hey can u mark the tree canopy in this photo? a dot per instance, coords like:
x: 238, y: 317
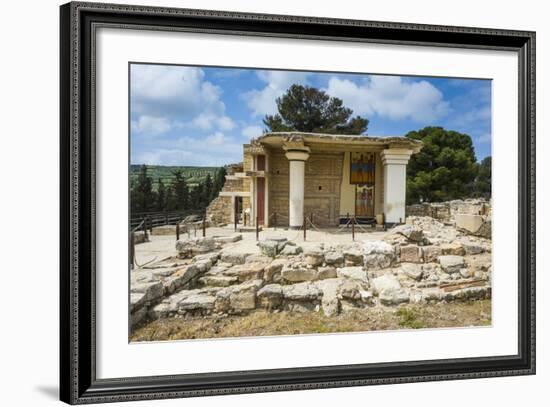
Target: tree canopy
x: 303, y: 108
x: 444, y: 169
x: 482, y: 183
x: 178, y: 195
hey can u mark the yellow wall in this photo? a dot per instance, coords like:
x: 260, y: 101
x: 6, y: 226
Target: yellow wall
x: 347, y: 190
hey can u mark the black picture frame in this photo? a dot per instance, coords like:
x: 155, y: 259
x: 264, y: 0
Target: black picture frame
x: 78, y: 382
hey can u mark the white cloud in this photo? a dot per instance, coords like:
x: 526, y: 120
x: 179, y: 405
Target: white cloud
x: 475, y: 115
x: 162, y: 156
x: 207, y: 121
x: 215, y: 149
x: 151, y: 126
x: 252, y: 131
x: 392, y: 97
x: 216, y: 139
x: 484, y: 138
x: 225, y: 123
x: 179, y: 94
x: 262, y: 102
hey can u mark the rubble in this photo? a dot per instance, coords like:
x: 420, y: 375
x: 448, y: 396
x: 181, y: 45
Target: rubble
x: 423, y: 261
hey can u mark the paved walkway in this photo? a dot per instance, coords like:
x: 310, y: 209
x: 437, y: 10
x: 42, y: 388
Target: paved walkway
x: 161, y: 247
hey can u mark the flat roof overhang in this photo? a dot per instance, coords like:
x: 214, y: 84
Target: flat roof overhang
x: 337, y: 142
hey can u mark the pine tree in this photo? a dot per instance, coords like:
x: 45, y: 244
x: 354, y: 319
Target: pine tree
x: 208, y: 190
x: 197, y: 197
x: 181, y: 190
x: 171, y: 202
x: 444, y: 169
x: 161, y: 196
x: 303, y: 108
x: 482, y: 183
x: 142, y: 195
x: 219, y: 181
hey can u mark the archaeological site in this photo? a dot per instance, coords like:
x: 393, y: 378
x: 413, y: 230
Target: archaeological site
x: 315, y: 225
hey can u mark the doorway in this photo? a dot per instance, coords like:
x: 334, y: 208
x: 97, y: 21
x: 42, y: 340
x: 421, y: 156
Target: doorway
x: 238, y: 213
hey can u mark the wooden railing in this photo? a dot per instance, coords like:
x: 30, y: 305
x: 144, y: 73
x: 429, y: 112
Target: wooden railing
x: 153, y: 219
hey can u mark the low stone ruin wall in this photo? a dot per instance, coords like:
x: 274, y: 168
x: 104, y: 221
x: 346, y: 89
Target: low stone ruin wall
x: 472, y: 215
x: 423, y: 261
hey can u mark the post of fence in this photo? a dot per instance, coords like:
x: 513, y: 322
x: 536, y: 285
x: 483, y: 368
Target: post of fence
x: 311, y: 218
x: 178, y: 231
x: 347, y: 220
x: 204, y: 225
x: 166, y: 219
x: 144, y: 228
x: 353, y: 229
x: 236, y: 220
x: 257, y: 229
x: 305, y: 227
x: 132, y: 249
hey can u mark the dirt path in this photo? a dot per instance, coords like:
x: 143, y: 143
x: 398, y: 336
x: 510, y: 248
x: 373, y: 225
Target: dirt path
x: 261, y: 323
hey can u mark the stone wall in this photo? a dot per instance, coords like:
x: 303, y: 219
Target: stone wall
x: 278, y: 188
x: 323, y: 176
x: 439, y: 211
x: 219, y: 210
x: 446, y: 211
x: 322, y: 183
x: 470, y: 215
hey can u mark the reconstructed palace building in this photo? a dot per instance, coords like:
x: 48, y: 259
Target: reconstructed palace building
x: 286, y: 176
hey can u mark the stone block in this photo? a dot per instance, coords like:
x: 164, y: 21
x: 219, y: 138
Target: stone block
x: 326, y: 272
x: 353, y: 257
x: 411, y: 232
x: 385, y: 282
x: 270, y: 296
x: 411, y: 254
x: 451, y: 264
x: 197, y: 302
x: 247, y: 271
x: 234, y: 257
x: 394, y: 297
x: 299, y: 274
x: 452, y: 249
x: 291, y: 250
x: 272, y: 271
x: 377, y: 254
x: 412, y: 270
x: 334, y: 258
x: 431, y: 253
x: 301, y: 292
x: 468, y: 222
x: 354, y: 273
x: 314, y: 258
x: 153, y: 291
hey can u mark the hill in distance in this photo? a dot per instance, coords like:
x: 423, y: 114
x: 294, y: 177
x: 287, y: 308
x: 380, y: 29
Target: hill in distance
x: 193, y: 175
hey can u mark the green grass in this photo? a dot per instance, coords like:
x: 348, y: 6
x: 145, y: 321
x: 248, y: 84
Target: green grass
x: 410, y: 318
x: 259, y: 323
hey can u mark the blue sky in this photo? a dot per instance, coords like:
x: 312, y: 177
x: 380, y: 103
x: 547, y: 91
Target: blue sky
x: 201, y: 116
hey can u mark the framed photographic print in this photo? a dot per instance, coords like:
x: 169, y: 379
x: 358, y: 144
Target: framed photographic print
x: 255, y: 203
